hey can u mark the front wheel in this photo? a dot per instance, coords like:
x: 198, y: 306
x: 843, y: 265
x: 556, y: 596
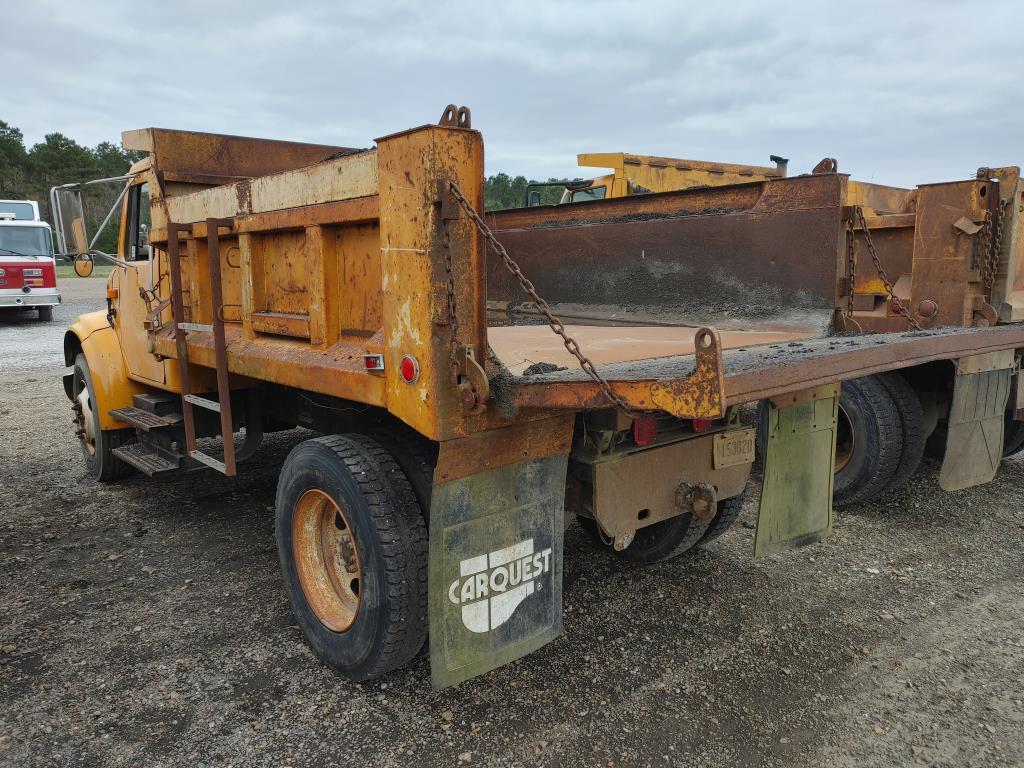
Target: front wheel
x: 45, y: 313
x: 97, y: 444
x: 353, y: 550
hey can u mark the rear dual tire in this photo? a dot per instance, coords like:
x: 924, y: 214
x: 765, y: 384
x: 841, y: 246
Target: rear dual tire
x: 880, y: 437
x: 669, y: 538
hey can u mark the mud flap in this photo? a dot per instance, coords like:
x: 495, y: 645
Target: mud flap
x: 974, y: 440
x: 495, y: 572
x: 799, y: 466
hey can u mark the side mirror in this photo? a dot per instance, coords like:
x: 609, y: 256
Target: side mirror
x: 84, y: 265
x: 69, y: 219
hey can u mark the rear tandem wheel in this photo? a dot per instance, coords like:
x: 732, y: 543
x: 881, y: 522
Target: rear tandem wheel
x: 669, y: 538
x: 879, y: 437
x: 353, y: 550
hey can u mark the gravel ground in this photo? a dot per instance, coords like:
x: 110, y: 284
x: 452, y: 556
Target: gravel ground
x: 143, y: 624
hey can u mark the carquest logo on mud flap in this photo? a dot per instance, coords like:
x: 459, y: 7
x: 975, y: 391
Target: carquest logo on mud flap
x: 490, y: 587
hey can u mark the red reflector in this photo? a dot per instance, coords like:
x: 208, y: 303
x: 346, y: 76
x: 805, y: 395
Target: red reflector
x: 410, y: 369
x: 702, y: 425
x: 373, y: 362
x: 645, y: 430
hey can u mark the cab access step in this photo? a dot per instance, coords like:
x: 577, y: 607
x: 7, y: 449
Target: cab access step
x: 159, y: 427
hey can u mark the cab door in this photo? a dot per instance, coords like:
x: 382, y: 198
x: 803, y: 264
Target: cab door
x: 138, y: 287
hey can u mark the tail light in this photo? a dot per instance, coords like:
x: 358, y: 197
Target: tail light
x: 702, y: 425
x: 373, y: 362
x: 645, y: 430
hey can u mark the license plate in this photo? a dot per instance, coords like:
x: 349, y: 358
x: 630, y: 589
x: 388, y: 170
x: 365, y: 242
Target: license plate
x: 732, y: 448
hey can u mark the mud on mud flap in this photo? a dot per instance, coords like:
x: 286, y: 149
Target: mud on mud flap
x: 495, y: 573
x: 799, y: 467
x: 974, y: 438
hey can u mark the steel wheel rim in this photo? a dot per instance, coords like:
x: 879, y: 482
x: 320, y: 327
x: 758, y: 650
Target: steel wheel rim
x: 85, y: 423
x: 327, y: 560
x: 846, y: 439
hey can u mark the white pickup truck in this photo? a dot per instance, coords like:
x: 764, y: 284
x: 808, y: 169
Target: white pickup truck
x: 28, y: 273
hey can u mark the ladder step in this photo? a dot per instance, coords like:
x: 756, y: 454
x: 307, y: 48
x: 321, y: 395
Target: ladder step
x: 209, y: 461
x: 203, y: 402
x: 145, y: 420
x: 204, y: 327
x: 148, y: 462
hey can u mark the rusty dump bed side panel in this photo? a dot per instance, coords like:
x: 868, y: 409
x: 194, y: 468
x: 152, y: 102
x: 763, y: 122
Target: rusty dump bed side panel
x: 764, y: 254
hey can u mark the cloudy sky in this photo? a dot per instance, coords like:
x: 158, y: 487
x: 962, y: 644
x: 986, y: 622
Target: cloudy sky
x: 900, y: 92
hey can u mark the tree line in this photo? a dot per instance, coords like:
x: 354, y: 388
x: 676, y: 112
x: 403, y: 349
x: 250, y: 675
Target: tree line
x: 28, y: 173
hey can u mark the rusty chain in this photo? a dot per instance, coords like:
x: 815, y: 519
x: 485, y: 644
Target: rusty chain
x: 993, y: 226
x: 453, y: 317
x: 851, y: 270
x: 542, y: 306
x: 889, y: 290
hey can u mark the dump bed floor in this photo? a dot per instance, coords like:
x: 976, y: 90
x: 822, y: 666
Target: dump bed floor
x: 520, y: 346
x: 755, y: 372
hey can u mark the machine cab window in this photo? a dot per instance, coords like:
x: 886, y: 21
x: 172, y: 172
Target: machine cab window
x: 591, y: 193
x: 137, y: 225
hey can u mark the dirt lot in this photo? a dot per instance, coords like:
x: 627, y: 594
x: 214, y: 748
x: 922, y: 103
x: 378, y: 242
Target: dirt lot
x: 144, y: 624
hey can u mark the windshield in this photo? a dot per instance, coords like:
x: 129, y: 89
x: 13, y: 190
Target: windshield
x: 25, y: 241
x: 591, y: 193
x: 20, y: 210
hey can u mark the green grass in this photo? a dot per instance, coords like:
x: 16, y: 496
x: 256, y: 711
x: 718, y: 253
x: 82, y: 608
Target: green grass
x: 66, y: 270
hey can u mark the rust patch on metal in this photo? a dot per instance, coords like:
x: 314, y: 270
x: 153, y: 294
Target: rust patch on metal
x: 496, y: 448
x: 243, y: 191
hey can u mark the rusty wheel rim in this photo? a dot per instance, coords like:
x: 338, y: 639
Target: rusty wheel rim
x: 327, y: 560
x: 846, y: 439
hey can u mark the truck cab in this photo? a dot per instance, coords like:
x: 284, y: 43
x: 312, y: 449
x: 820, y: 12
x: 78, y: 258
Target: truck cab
x: 28, y: 274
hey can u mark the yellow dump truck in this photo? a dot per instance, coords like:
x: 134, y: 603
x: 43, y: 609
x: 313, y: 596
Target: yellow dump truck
x: 641, y: 174
x: 263, y: 285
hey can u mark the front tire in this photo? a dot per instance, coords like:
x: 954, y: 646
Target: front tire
x: 353, y: 550
x: 45, y: 313
x: 97, y: 444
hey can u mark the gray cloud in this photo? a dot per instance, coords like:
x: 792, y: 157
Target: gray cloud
x: 900, y: 93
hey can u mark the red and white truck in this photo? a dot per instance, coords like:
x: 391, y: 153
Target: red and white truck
x: 28, y: 273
